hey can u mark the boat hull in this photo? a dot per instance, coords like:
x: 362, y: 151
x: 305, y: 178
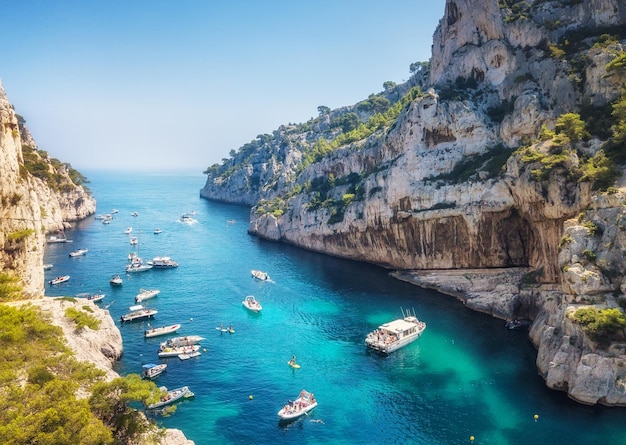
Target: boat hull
x: 164, y: 330
x: 175, y: 352
x: 251, y: 304
x: 394, y: 335
x: 132, y: 316
x: 181, y: 342
x: 304, y: 403
x: 59, y: 280
x: 155, y: 371
x: 146, y: 295
x: 172, y: 396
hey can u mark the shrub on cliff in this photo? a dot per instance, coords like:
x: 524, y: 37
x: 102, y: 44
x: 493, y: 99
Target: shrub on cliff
x: 601, y: 325
x: 10, y: 289
x: 110, y: 401
x: 39, y: 379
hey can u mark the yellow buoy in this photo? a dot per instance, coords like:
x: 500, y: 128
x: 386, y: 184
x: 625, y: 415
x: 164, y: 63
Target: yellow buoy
x: 472, y: 439
x: 536, y: 417
x: 250, y: 396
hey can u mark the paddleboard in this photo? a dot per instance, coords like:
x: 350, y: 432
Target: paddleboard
x: 221, y: 329
x: 232, y: 331
x: 294, y: 366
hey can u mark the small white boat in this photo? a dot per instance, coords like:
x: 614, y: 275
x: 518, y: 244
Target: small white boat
x: 151, y: 370
x: 299, y: 407
x: 250, y: 303
x: 106, y: 221
x: 137, y: 265
x: 390, y: 337
x: 134, y: 214
x: 58, y: 280
x: 171, y: 396
x: 58, y: 239
x: 166, y: 351
x: 189, y: 355
x: 187, y: 340
x: 259, y: 275
x: 95, y: 297
x: 163, y: 262
x: 138, y: 312
x: 134, y: 241
x: 47, y: 266
x: 146, y: 294
x: 114, y: 211
x: 187, y: 218
x: 157, y: 231
x: 79, y: 252
x: 163, y: 330
x: 128, y: 231
x: 116, y: 280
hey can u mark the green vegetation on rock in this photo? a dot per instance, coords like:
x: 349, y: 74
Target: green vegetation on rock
x: 601, y: 325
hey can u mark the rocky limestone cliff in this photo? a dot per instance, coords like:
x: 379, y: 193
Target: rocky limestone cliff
x: 478, y: 186
x: 31, y: 208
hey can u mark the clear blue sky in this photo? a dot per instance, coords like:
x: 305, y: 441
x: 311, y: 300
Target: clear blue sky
x: 157, y: 85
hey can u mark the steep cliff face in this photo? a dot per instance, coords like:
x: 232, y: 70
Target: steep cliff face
x: 31, y: 208
x: 482, y: 168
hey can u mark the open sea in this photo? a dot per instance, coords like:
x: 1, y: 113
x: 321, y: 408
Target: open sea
x: 466, y: 376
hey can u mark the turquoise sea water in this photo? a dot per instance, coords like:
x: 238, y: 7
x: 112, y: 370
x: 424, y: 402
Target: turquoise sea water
x: 466, y: 376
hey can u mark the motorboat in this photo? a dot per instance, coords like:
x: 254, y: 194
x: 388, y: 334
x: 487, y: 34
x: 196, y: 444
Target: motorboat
x: 138, y: 312
x: 79, y: 252
x: 299, y: 407
x: 128, y: 231
x: 134, y: 214
x: 114, y: 211
x: 259, y: 275
x: 134, y: 241
x: 48, y: 266
x: 189, y: 355
x: 116, y: 280
x: 187, y: 340
x: 163, y: 262
x: 390, y: 337
x: 167, y: 351
x: 91, y: 297
x: 163, y: 330
x: 137, y: 265
x: 187, y: 218
x: 146, y: 294
x: 250, y: 303
x: 151, y: 370
x: 171, y: 396
x: 157, y: 231
x: 58, y: 280
x: 54, y: 239
x: 96, y: 297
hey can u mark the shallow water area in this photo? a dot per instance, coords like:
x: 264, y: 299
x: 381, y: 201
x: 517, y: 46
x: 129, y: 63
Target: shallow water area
x: 466, y: 376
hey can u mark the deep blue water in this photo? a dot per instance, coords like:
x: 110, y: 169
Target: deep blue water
x: 466, y: 376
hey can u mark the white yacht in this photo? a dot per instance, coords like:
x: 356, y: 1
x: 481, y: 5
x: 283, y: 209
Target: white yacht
x: 390, y: 337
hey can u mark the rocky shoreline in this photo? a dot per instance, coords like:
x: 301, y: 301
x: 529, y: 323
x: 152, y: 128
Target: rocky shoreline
x: 567, y: 359
x: 103, y: 348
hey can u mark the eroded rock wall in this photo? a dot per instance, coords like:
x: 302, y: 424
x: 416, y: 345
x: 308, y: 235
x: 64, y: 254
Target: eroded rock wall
x: 29, y: 207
